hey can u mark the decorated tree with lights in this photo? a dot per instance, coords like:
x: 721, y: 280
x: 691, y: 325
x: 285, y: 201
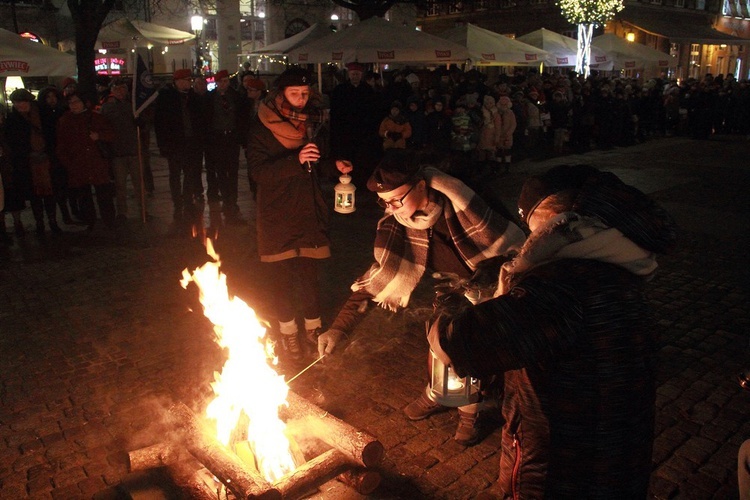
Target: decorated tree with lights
x: 588, y: 14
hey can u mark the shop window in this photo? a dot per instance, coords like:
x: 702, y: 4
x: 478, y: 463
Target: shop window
x: 433, y: 9
x: 679, y: 3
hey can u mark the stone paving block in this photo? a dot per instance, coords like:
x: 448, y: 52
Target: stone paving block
x: 40, y: 485
x: 662, y: 489
x: 69, y: 477
x: 442, y: 475
x: 697, y: 449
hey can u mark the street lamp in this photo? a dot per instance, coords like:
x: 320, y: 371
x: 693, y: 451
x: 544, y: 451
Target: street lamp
x: 196, y: 24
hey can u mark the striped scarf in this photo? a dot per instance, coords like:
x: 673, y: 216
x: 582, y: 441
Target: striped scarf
x: 401, y: 252
x: 288, y: 124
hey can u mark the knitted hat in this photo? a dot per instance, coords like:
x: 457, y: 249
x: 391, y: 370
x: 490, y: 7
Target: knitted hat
x: 412, y: 78
x: 560, y: 178
x: 221, y: 74
x: 20, y: 95
x: 182, y: 73
x: 294, y: 76
x: 504, y: 102
x: 398, y: 167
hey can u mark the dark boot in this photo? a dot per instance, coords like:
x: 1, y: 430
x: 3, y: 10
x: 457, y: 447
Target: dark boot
x: 467, y: 432
x: 291, y: 346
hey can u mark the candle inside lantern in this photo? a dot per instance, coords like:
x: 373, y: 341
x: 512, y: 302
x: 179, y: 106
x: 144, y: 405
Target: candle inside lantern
x: 455, y: 382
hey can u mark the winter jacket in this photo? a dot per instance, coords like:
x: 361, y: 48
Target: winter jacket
x: 120, y: 116
x: 292, y: 216
x: 573, y: 335
x: 178, y: 120
x: 389, y: 126
x: 78, y: 153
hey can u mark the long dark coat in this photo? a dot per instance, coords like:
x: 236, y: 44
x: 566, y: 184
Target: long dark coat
x: 76, y: 151
x: 292, y: 216
x: 578, y: 359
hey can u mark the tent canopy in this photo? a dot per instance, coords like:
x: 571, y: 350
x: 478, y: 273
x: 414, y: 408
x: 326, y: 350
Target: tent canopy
x: 631, y: 55
x: 563, y: 49
x: 22, y: 57
x: 376, y: 40
x: 312, y: 33
x: 126, y: 34
x: 493, y: 49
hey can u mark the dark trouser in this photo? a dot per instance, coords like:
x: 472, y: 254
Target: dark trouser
x: 301, y: 272
x: 185, y: 169
x: 105, y: 199
x: 41, y: 205
x: 222, y: 167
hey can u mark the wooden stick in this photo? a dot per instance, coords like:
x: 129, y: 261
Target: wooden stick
x: 224, y: 464
x: 363, y: 481
x: 358, y: 445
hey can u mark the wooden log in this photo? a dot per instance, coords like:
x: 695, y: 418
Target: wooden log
x: 313, y: 473
x: 358, y: 445
x: 218, y: 459
x: 363, y: 481
x: 157, y: 455
x: 192, y: 482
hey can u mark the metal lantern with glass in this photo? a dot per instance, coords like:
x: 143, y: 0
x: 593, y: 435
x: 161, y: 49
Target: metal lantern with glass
x: 344, y: 195
x: 445, y: 387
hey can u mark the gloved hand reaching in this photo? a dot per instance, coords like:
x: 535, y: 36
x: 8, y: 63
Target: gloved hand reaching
x: 328, y: 340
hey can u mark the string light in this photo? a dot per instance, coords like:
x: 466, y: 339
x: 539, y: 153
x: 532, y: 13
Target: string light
x: 594, y: 12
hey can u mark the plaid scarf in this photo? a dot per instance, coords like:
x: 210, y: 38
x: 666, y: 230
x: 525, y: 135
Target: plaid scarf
x: 573, y: 236
x: 289, y: 124
x: 401, y: 252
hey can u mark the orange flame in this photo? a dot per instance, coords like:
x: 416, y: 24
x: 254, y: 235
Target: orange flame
x: 247, y: 383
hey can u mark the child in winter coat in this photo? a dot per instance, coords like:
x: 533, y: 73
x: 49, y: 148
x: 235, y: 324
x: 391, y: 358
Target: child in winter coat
x: 395, y: 128
x: 489, y: 130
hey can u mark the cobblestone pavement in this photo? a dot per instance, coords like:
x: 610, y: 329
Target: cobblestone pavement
x: 97, y: 335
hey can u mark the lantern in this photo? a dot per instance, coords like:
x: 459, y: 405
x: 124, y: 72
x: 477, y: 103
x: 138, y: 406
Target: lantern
x: 448, y: 389
x: 344, y: 195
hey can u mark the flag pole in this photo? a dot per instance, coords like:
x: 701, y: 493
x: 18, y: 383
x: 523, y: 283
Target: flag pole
x: 140, y: 172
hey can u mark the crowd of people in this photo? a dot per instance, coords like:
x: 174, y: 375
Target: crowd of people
x: 566, y: 331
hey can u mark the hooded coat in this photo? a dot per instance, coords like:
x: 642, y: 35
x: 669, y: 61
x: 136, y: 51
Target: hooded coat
x: 570, y: 329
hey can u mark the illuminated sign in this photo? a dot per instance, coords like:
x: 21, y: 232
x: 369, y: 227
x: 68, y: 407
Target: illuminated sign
x: 109, y: 65
x: 28, y: 35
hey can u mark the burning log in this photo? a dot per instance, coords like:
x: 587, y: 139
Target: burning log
x: 359, y: 446
x: 319, y: 470
x: 224, y: 464
x: 363, y: 481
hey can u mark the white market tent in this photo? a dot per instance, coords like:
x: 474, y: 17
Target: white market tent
x: 126, y: 34
x: 563, y: 49
x: 312, y: 33
x: 22, y: 57
x: 376, y: 40
x: 631, y: 55
x: 493, y: 49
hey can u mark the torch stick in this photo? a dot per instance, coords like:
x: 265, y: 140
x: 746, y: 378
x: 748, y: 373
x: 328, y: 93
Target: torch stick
x: 305, y: 369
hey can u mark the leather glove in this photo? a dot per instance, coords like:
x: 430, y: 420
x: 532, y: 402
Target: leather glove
x: 394, y: 136
x: 328, y: 340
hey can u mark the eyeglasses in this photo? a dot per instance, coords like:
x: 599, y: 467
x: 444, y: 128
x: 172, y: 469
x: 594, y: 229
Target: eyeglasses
x: 395, y: 203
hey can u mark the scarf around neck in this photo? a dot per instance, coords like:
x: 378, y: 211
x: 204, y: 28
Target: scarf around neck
x: 287, y: 123
x: 402, y: 245
x: 573, y: 236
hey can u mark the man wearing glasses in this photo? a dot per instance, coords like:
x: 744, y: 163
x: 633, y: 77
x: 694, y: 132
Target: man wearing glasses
x: 432, y: 221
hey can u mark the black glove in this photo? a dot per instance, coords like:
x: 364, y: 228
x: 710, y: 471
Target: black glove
x: 394, y: 136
